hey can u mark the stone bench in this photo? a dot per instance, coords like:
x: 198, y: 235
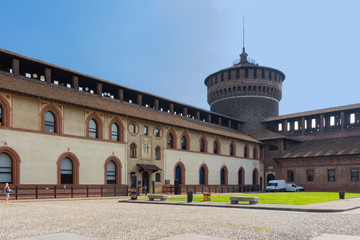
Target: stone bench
x: 159, y: 196
x: 251, y: 200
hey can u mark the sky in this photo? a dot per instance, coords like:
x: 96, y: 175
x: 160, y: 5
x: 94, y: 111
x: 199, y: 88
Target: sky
x: 168, y: 48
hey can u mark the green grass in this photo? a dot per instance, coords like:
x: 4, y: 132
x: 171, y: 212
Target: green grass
x: 295, y: 198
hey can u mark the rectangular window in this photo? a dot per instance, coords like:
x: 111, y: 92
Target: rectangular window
x: 296, y: 125
x: 290, y: 176
x: 352, y: 118
x: 305, y: 124
x: 331, y: 175
x: 332, y: 121
x: 280, y: 127
x: 354, y: 175
x: 145, y: 130
x: 288, y: 126
x: 309, y: 175
x: 313, y: 123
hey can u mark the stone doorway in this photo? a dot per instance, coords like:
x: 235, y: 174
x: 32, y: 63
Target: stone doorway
x: 270, y: 177
x: 145, y: 182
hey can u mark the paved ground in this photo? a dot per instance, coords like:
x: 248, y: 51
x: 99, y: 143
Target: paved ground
x: 108, y: 219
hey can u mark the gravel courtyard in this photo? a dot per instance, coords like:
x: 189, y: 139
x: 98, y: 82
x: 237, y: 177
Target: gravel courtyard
x: 108, y: 219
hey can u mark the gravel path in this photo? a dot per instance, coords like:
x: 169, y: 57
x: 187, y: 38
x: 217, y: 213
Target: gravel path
x: 108, y: 219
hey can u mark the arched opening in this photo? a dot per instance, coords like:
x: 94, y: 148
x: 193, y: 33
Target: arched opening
x: 270, y: 177
x: 179, y: 173
x: 203, y: 175
x: 224, y: 175
x: 6, y: 169
x: 241, y: 176
x: 145, y: 181
x: 133, y: 150
x: 157, y: 153
x: 255, y: 177
x: 111, y: 173
x: 93, y: 130
x: 170, y: 141
x: 112, y: 167
x: 184, y: 143
x: 67, y: 176
x: 114, y: 132
x: 49, y: 123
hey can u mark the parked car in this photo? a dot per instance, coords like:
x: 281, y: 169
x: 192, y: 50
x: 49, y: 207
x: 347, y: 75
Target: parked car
x: 292, y: 187
x: 276, y: 186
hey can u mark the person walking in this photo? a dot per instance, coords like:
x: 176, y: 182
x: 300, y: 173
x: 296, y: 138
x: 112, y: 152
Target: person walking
x: 7, y: 190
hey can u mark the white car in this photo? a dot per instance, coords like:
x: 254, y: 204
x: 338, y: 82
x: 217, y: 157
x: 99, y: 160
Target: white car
x: 292, y: 187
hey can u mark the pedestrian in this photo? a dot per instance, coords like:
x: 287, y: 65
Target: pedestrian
x: 7, y: 190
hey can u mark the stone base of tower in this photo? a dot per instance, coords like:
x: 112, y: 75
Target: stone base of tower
x: 251, y: 110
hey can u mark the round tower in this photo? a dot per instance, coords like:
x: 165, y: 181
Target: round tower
x: 246, y: 91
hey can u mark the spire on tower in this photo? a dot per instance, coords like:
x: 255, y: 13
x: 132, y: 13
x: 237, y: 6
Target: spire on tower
x: 243, y: 55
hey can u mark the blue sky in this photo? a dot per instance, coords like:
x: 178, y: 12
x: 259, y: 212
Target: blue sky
x: 168, y: 47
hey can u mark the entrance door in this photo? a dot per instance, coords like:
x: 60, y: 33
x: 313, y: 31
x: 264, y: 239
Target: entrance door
x: 145, y: 181
x: 270, y: 177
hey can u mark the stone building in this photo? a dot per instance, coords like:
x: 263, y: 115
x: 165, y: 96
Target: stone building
x: 58, y: 127
x: 317, y: 149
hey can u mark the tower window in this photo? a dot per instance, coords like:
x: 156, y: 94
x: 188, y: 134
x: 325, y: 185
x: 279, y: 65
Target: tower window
x: 255, y: 73
x: 332, y: 121
x: 280, y: 127
x: 296, y: 125
x: 352, y: 117
x: 237, y: 73
x: 246, y: 73
x: 313, y: 123
x: 229, y: 75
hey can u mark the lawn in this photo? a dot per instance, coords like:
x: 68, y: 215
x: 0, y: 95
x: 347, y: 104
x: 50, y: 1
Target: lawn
x: 295, y: 198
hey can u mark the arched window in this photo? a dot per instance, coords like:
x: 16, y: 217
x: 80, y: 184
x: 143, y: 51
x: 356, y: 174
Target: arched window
x: 222, y: 176
x: 232, y: 149
x: 157, y: 132
x: 146, y: 130
x: 49, y: 123
x: 202, y: 176
x: 132, y: 128
x: 255, y: 153
x: 5, y: 168
x: 184, y: 143
x: 246, y: 151
x: 66, y: 171
x: 93, y: 131
x: 111, y: 173
x: 255, y: 177
x: 133, y: 150
x: 1, y: 116
x: 170, y: 141
x: 202, y: 145
x: 157, y: 177
x: 115, y: 132
x: 157, y: 153
x: 241, y: 176
x: 178, y: 174
x: 216, y: 147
